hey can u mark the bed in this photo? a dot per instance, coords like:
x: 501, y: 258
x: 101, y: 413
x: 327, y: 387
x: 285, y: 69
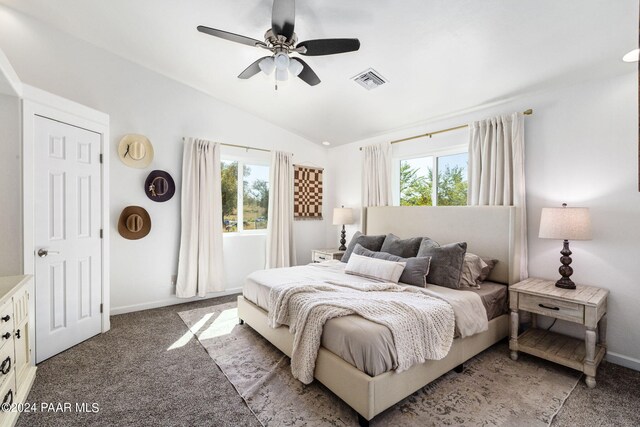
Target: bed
x: 370, y: 386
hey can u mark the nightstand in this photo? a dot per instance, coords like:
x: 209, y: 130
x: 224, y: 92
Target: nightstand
x: 585, y: 305
x: 321, y: 255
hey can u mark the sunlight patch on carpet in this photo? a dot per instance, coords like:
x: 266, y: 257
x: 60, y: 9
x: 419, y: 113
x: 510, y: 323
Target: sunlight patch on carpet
x: 222, y: 325
x: 193, y: 330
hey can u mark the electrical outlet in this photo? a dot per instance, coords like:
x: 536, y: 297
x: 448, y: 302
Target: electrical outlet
x: 174, y: 279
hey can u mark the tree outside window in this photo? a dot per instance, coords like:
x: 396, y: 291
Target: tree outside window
x: 416, y: 181
x: 245, y: 198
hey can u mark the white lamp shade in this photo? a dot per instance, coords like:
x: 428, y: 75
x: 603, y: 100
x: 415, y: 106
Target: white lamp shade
x: 295, y: 67
x: 267, y: 65
x: 565, y: 224
x: 281, y: 60
x: 282, y: 75
x: 342, y: 216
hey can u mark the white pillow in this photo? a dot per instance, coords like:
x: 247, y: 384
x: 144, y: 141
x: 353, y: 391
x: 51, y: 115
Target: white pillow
x: 388, y: 271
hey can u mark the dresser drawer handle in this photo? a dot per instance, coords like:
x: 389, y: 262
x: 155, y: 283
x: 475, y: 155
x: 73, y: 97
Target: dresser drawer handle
x: 8, y: 398
x: 549, y: 308
x: 6, y: 318
x: 6, y: 336
x: 5, y: 367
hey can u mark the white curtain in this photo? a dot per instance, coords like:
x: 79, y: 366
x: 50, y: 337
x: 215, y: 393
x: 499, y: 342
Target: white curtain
x: 280, y: 245
x: 376, y: 175
x: 200, y: 259
x: 496, y: 172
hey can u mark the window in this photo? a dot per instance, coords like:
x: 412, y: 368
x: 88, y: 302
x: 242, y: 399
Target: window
x: 256, y: 197
x: 452, y: 180
x: 245, y: 196
x: 417, y: 180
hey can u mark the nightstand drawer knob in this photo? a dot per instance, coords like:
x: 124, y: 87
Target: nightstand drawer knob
x: 549, y: 308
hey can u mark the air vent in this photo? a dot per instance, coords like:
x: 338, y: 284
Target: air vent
x: 369, y: 79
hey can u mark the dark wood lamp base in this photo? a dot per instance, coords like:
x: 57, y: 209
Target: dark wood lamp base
x: 343, y: 239
x: 565, y: 270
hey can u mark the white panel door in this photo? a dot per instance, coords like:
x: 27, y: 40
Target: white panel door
x: 68, y: 258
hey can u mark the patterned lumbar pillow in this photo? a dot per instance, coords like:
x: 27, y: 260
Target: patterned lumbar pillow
x: 387, y: 271
x: 415, y: 272
x: 405, y: 248
x: 373, y: 243
x: 446, y: 262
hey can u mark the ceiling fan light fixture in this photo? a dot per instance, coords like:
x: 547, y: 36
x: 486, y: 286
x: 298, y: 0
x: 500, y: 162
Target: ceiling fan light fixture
x: 632, y: 56
x: 282, y: 61
x: 282, y: 75
x: 295, y: 67
x: 267, y: 65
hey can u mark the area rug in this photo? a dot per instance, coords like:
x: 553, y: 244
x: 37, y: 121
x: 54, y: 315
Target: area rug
x: 492, y: 389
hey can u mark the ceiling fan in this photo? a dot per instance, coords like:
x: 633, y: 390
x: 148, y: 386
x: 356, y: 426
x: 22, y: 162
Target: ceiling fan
x: 281, y: 40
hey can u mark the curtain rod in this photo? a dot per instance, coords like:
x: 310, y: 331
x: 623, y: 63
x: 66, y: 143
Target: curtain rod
x: 430, y: 134
x: 246, y: 147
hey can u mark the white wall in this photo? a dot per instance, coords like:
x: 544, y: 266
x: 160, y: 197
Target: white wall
x: 141, y: 101
x: 581, y: 148
x: 10, y: 187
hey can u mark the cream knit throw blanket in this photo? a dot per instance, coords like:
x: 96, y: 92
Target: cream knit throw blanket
x: 422, y: 326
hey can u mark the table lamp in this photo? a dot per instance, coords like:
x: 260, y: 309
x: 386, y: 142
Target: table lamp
x: 342, y: 216
x: 565, y: 224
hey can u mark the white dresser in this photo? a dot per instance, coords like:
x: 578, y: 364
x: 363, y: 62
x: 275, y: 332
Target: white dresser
x: 17, y: 370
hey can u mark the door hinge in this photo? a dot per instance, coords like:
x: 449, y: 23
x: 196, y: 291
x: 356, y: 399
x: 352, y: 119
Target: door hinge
x: 101, y: 233
x: 101, y: 307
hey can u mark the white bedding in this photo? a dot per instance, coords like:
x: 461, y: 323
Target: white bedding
x: 470, y: 314
x: 422, y: 326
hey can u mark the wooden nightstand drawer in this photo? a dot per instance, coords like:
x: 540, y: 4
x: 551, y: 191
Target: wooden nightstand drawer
x: 321, y: 257
x: 559, y: 309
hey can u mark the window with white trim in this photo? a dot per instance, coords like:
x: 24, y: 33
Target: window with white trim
x: 245, y: 196
x: 434, y: 179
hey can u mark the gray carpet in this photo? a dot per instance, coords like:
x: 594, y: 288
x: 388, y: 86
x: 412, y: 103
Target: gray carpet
x: 137, y: 381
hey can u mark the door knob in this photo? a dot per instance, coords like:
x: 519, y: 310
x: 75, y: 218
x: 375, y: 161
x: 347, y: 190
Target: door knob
x: 44, y: 252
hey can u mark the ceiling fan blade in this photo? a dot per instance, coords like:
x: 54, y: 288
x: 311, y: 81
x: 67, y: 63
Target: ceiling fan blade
x: 328, y: 46
x: 307, y: 74
x: 251, y: 70
x: 283, y: 18
x: 230, y: 36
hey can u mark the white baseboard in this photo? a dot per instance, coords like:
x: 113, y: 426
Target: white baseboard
x: 626, y: 361
x: 170, y: 301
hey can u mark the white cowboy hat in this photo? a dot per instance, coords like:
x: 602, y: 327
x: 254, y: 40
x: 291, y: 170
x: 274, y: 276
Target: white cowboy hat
x: 135, y: 151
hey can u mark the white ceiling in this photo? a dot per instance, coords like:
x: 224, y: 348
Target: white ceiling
x: 439, y: 56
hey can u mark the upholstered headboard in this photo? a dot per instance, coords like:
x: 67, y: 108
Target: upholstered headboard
x: 489, y: 231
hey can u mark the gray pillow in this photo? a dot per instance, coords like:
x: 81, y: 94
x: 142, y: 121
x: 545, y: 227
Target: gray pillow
x: 414, y: 273
x: 446, y: 262
x: 373, y: 243
x: 405, y: 248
